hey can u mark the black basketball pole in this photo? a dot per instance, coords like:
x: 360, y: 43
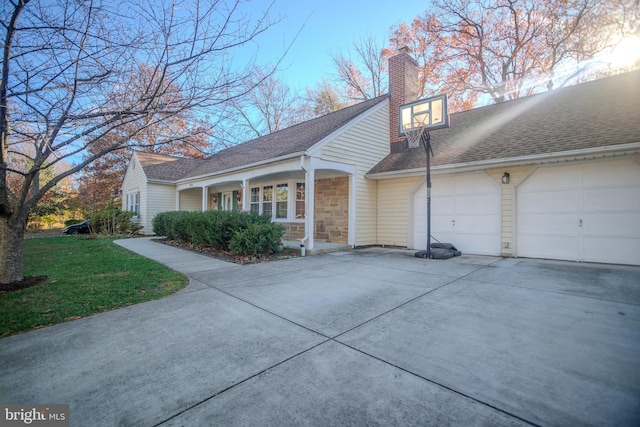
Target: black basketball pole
x: 426, y: 142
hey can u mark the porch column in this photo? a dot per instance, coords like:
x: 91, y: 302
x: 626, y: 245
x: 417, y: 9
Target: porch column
x: 351, y: 234
x: 309, y: 202
x: 246, y: 195
x: 205, y: 199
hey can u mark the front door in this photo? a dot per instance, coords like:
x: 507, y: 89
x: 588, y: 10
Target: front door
x: 227, y: 201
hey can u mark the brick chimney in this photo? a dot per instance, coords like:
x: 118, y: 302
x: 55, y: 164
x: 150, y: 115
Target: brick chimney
x: 403, y: 88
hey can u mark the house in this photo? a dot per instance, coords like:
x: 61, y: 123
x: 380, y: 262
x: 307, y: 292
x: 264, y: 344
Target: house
x: 554, y: 175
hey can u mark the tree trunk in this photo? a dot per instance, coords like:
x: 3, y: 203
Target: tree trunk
x: 11, y: 248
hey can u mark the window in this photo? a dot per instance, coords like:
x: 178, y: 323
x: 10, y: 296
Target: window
x: 267, y: 200
x: 255, y: 200
x: 300, y: 193
x: 282, y: 197
x: 273, y: 200
x: 133, y: 203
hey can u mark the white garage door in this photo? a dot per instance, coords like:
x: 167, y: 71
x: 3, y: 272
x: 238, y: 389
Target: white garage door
x: 465, y: 211
x: 586, y: 212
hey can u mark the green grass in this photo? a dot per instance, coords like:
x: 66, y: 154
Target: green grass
x: 86, y: 276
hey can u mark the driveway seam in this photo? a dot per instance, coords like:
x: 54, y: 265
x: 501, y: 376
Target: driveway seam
x: 335, y: 340
x: 439, y: 384
x: 240, y: 382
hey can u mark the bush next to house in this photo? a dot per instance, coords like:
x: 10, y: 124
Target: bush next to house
x: 243, y: 233
x: 112, y: 221
x: 256, y: 239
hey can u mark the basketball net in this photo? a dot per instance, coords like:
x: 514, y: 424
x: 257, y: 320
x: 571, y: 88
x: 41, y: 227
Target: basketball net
x: 413, y: 132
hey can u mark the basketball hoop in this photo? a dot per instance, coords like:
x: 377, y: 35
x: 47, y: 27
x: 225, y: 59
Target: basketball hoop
x: 414, y: 133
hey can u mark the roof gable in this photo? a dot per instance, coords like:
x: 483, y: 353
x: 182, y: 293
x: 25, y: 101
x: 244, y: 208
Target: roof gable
x: 165, y: 168
x: 290, y: 141
x: 595, y: 114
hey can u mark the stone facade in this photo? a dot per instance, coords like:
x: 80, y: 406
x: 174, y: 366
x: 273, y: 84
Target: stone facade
x: 332, y: 210
x: 293, y: 231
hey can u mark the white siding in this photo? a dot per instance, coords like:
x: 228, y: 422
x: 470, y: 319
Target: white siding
x: 364, y: 145
x: 163, y: 198
x: 135, y: 181
x: 394, y: 208
x: 191, y: 199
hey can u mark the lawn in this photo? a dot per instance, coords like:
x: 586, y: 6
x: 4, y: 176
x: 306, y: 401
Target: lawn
x: 86, y: 276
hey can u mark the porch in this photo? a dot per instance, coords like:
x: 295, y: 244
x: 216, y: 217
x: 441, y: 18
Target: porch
x: 311, y: 200
x: 318, y: 247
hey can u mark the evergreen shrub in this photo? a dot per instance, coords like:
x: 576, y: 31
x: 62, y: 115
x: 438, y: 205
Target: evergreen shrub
x: 219, y: 229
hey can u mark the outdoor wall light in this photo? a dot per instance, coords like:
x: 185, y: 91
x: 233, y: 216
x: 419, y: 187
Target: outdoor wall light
x: 505, y: 178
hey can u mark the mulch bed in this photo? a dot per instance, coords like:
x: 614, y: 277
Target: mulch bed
x: 228, y: 256
x: 25, y: 283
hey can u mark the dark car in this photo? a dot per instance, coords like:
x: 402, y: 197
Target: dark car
x: 80, y: 228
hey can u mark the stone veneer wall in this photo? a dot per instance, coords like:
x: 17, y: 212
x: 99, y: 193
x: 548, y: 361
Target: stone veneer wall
x: 293, y: 231
x: 332, y: 210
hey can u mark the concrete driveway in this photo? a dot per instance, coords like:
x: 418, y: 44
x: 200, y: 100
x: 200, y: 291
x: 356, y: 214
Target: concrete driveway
x: 366, y: 337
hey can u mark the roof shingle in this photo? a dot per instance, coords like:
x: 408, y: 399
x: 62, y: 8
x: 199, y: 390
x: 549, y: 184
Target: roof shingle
x: 595, y: 114
x: 294, y: 139
x: 166, y: 168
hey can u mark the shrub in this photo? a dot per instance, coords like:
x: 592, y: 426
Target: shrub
x: 257, y: 239
x: 72, y: 221
x: 112, y: 221
x: 211, y: 228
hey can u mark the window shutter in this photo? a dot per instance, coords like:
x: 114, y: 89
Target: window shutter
x: 234, y: 201
x: 219, y: 201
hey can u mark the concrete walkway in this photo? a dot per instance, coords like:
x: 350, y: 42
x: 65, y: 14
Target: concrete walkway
x: 364, y: 337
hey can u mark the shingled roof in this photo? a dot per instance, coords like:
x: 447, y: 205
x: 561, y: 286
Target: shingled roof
x: 292, y: 140
x: 600, y: 113
x: 166, y: 168
x: 289, y: 141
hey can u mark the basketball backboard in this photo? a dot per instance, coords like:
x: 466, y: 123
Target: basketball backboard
x: 429, y: 113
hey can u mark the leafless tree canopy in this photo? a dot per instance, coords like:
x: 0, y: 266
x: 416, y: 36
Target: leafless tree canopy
x: 71, y: 78
x: 362, y: 70
x: 511, y: 48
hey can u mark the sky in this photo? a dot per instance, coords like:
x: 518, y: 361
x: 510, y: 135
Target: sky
x: 326, y: 27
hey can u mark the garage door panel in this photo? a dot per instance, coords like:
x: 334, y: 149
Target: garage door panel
x: 552, y: 224
x: 612, y: 224
x: 612, y: 199
x: 553, y: 179
x: 477, y: 243
x: 476, y: 204
x: 552, y: 247
x: 465, y: 211
x: 553, y: 201
x: 440, y: 223
x: 473, y: 184
x: 598, y: 220
x: 444, y: 205
x: 621, y: 251
x: 440, y: 187
x: 618, y: 175
x: 477, y: 224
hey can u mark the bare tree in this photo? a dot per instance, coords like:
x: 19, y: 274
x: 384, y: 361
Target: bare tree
x: 323, y: 99
x: 364, y: 76
x: 67, y: 85
x: 509, y: 48
x: 269, y: 107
